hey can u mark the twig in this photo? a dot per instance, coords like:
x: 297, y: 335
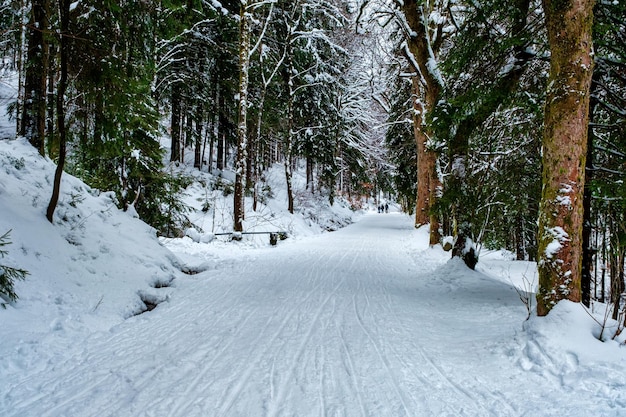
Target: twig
x: 98, y: 304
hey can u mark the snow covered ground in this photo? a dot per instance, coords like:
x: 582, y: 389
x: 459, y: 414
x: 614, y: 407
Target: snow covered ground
x: 364, y: 321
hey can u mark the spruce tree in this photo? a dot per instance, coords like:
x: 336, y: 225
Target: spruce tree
x: 9, y: 274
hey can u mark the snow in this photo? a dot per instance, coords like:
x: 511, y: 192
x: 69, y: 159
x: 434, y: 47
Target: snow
x: 560, y: 236
x: 364, y: 321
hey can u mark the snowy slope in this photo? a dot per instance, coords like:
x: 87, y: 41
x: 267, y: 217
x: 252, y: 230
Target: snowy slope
x: 365, y: 321
x: 88, y: 270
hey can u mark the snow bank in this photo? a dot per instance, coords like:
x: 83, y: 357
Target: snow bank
x: 564, y: 346
x: 89, y: 269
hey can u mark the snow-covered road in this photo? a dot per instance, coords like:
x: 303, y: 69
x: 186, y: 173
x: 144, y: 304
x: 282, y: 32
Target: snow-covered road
x: 359, y: 322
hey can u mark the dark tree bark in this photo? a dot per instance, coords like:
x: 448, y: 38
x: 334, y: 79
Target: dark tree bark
x: 197, y: 160
x: 50, y: 96
x: 617, y: 279
x: 176, y: 123
x: 288, y: 144
x: 221, y: 130
x: 33, y: 120
x: 309, y: 175
x: 588, y: 250
x: 564, y: 151
x: 64, y: 18
x: 519, y: 238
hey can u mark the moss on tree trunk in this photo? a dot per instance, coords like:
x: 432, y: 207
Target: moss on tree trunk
x: 564, y: 151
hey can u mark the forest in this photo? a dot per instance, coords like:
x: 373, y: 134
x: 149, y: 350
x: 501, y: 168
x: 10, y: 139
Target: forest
x: 499, y: 124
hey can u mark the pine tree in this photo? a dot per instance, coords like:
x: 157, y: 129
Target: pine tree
x: 112, y: 67
x: 400, y: 140
x: 8, y: 274
x: 33, y: 120
x: 477, y: 94
x: 605, y: 195
x: 64, y: 25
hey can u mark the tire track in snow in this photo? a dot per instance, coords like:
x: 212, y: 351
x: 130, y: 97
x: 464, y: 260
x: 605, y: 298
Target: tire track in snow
x: 383, y: 359
x: 280, y: 395
x: 351, y: 370
x: 78, y: 385
x: 282, y: 391
x: 180, y: 408
x: 236, y: 387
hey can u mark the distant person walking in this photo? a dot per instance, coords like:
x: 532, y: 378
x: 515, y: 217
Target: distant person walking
x: 386, y: 208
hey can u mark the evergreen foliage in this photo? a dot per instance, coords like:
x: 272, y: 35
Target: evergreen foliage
x: 400, y: 141
x: 116, y: 147
x: 607, y: 140
x: 8, y: 274
x: 491, y: 115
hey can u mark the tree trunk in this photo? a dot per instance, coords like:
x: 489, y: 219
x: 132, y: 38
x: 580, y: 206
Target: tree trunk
x: 520, y: 250
x: 588, y: 250
x: 33, y: 125
x: 427, y: 180
x: 427, y: 86
x: 564, y: 152
x: 288, y: 145
x: 287, y: 150
x: 50, y: 97
x: 212, y: 137
x: 175, y: 123
x: 199, y: 116
x: 64, y: 12
x: 602, y: 296
x: 258, y: 151
x: 98, y: 120
x: 242, y: 131
x: 464, y: 246
x: 617, y: 279
x: 221, y: 130
x: 250, y: 162
x: 309, y: 175
x: 189, y: 130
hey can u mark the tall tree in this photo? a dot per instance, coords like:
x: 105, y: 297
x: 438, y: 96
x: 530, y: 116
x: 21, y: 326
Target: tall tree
x: 400, y: 139
x: 424, y: 40
x: 33, y: 120
x: 569, y: 26
x: 64, y: 20
x: 605, y: 193
x: 242, y: 121
x: 243, y: 143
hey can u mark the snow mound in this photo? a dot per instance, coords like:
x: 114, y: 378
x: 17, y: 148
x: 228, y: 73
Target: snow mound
x: 566, y: 344
x: 89, y: 270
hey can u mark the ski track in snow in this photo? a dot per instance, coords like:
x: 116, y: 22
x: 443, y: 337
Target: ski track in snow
x: 344, y: 324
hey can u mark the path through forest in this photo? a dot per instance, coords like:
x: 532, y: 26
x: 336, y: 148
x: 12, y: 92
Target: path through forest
x: 365, y: 321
